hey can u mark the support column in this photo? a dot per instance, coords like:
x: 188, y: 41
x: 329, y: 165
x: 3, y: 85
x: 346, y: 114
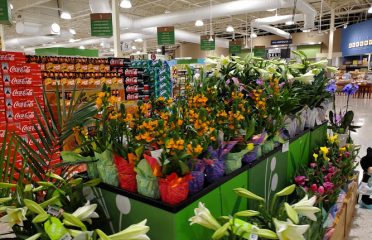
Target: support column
x: 144, y: 46
x: 116, y: 28
x: 331, y: 35
x: 2, y: 36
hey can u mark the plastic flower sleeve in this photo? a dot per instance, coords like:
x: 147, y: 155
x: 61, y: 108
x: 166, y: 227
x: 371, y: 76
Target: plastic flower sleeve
x: 214, y: 170
x: 106, y: 168
x: 197, y: 182
x: 174, y: 189
x: 126, y: 174
x: 147, y: 183
x: 233, y: 161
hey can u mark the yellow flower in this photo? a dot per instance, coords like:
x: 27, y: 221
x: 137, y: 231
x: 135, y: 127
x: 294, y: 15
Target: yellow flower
x: 99, y: 102
x: 101, y: 94
x: 250, y: 146
x: 113, y: 100
x: 198, y: 149
x: 332, y: 139
x: 343, y: 149
x: 315, y: 156
x: 324, y: 151
x: 161, y: 98
x: 179, y: 122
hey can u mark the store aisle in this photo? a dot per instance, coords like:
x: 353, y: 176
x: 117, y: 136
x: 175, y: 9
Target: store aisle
x: 361, y: 226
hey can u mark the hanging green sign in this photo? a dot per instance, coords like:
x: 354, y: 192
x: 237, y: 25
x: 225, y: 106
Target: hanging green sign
x: 207, y: 42
x: 5, y: 12
x: 259, y: 51
x: 101, y: 24
x: 235, y: 47
x: 166, y: 36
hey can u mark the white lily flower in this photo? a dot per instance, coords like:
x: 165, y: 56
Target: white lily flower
x: 321, y: 64
x: 86, y: 212
x: 289, y: 231
x: 306, y: 208
x: 307, y: 78
x: 224, y: 61
x: 209, y: 61
x: 14, y: 216
x: 133, y: 232
x: 204, y: 217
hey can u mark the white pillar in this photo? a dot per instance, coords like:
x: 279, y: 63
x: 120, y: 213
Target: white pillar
x: 331, y: 35
x: 116, y: 28
x: 2, y: 36
x: 144, y: 47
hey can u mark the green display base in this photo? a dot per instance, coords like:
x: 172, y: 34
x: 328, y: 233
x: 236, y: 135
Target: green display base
x: 265, y: 177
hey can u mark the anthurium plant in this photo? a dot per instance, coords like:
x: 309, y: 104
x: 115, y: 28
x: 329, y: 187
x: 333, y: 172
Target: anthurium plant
x: 274, y: 219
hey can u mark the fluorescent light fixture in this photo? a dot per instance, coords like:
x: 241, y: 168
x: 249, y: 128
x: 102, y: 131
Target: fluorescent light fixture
x: 230, y: 28
x: 102, y: 44
x: 125, y: 4
x: 139, y: 40
x: 370, y: 10
x: 271, y: 10
x: 72, y: 31
x: 65, y: 15
x: 81, y: 47
x: 71, y: 40
x: 210, y: 39
x: 158, y: 50
x: 134, y: 47
x: 288, y: 23
x: 199, y: 23
x: 11, y: 6
x: 253, y: 35
x: 55, y: 28
x: 138, y: 52
x: 111, y: 50
x: 306, y: 30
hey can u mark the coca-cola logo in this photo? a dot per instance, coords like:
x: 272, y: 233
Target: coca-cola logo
x: 22, y: 93
x: 31, y: 142
x: 30, y: 128
x: 20, y: 69
x: 7, y: 57
x: 27, y: 115
x: 21, y: 81
x: 23, y: 104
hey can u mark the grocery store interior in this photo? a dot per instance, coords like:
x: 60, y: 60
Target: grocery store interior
x: 186, y: 119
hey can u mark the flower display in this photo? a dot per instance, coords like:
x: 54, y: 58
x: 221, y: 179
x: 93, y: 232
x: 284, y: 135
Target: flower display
x: 204, y: 218
x: 288, y: 230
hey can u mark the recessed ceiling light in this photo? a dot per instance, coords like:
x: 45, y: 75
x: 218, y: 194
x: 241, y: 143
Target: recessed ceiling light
x: 81, y: 47
x: 288, y: 23
x: 72, y: 31
x: 253, y: 35
x: 199, y: 23
x: 134, y: 47
x: 230, y: 28
x: 158, y: 50
x: 125, y: 4
x: 55, y: 28
x: 102, y: 44
x: 139, y: 40
x: 65, y: 15
x: 345, y: 25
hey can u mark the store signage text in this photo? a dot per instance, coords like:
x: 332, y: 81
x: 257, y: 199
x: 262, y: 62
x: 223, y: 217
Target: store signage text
x: 207, y: 42
x: 166, y: 36
x: 101, y: 24
x: 281, y: 42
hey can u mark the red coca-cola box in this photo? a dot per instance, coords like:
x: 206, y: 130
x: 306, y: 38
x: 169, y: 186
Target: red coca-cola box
x: 17, y: 68
x: 20, y: 103
x: 22, y: 80
x: 14, y: 116
x: 12, y: 56
x: 25, y: 127
x: 12, y: 128
x: 23, y: 92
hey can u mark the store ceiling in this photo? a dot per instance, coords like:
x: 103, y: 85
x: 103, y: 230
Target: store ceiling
x: 47, y: 11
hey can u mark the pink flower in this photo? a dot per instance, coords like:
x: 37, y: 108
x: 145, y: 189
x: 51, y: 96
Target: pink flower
x: 321, y: 190
x: 347, y: 154
x: 314, y: 187
x: 331, y: 169
x: 323, y: 169
x: 300, y: 180
x: 313, y: 165
x: 328, y: 186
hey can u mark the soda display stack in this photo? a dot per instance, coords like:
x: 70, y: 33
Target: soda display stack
x: 163, y: 83
x: 21, y: 88
x: 137, y: 82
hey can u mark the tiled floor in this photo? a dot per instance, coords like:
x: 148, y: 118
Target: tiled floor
x: 361, y: 227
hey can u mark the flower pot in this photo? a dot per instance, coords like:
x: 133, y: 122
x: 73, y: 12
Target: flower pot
x: 214, y: 170
x: 251, y: 156
x: 311, y: 118
x: 172, y: 192
x: 267, y: 147
x: 233, y: 161
x: 106, y: 168
x: 197, y: 182
x: 342, y: 139
x: 148, y: 187
x: 126, y: 174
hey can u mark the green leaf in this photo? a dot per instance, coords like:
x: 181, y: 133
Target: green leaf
x: 92, y: 182
x: 70, y: 219
x: 292, y: 214
x: 247, y: 194
x: 7, y: 185
x: 221, y: 232
x: 40, y: 218
x: 34, y: 237
x: 48, y: 202
x: 4, y: 200
x: 102, y: 235
x: 266, y: 234
x: 55, y: 176
x: 34, y: 207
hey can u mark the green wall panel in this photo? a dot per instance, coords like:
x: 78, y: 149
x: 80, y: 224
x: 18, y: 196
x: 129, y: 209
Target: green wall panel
x: 310, y: 50
x: 67, y: 52
x: 318, y: 137
x: 230, y: 202
x: 268, y: 177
